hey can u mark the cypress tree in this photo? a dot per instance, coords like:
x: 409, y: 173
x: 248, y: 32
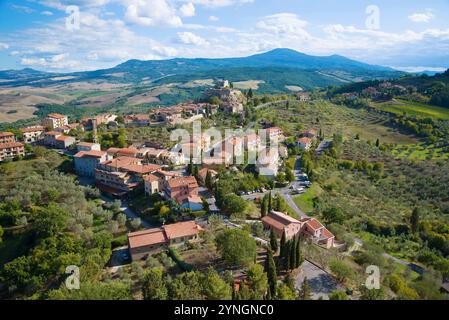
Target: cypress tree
x: 208, y: 180
x: 292, y: 254
x: 273, y: 241
x: 263, y: 207
x: 270, y: 269
x: 287, y: 256
x: 270, y: 202
x: 283, y: 243
x: 299, y: 259
x: 414, y: 220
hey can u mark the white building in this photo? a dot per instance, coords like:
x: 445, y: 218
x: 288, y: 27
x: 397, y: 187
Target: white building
x: 87, y: 161
x: 55, y: 120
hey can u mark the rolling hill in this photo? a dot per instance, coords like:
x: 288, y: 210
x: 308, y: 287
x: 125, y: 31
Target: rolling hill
x: 277, y: 68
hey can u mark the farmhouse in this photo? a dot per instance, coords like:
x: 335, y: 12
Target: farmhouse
x: 308, y: 228
x: 151, y: 241
x: 304, y: 143
x: 6, y: 137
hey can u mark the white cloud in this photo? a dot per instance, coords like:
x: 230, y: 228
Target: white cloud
x: 62, y: 4
x: 421, y: 17
x: 47, y: 13
x: 152, y: 13
x: 187, y: 10
x: 60, y: 61
x: 284, y: 23
x: 3, y: 46
x: 213, y: 18
x: 220, y: 3
x: 191, y: 39
x: 23, y: 9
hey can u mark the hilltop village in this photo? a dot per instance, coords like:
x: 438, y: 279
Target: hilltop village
x: 237, y: 211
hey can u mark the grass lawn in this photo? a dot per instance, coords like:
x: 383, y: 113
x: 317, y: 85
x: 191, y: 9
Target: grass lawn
x: 305, y: 200
x: 414, y: 109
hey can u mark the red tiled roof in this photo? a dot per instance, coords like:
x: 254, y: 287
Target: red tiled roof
x: 86, y: 144
x: 6, y: 134
x: 56, y: 116
x: 33, y: 129
x: 181, y: 229
x: 63, y: 138
x: 146, y: 238
x: 304, y: 140
x: 151, y: 177
x: 10, y: 145
x: 314, y: 224
x: 91, y: 153
x: 327, y: 234
x: 177, y: 182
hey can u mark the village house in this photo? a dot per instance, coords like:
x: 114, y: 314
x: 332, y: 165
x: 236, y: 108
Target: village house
x: 32, y: 134
x: 55, y: 120
x: 154, y: 182
x: 307, y: 228
x: 88, y: 146
x: 57, y: 140
x: 303, y: 96
x: 121, y: 175
x: 86, y: 161
x: 123, y: 152
x: 7, y: 137
x: 68, y: 127
x: 137, y: 120
x: 179, y: 189
x: 106, y: 118
x: 304, y: 143
x: 151, y: 241
x: 268, y: 162
x: 11, y: 150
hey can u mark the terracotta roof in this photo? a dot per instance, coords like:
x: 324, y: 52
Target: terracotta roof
x: 304, y: 140
x: 33, y: 129
x: 327, y: 234
x: 314, y: 224
x: 182, y: 181
x: 194, y: 199
x: 273, y: 223
x: 168, y: 173
x: 181, y: 229
x: 122, y: 161
x: 63, y: 138
x: 10, y: 145
x: 139, y: 168
x: 53, y: 133
x: 6, y: 134
x: 91, y: 153
x: 126, y: 151
x: 56, y: 116
x: 146, y: 238
x: 310, y: 132
x: 151, y: 178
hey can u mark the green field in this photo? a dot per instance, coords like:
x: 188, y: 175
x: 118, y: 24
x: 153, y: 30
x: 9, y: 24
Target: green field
x: 305, y: 200
x: 416, y: 109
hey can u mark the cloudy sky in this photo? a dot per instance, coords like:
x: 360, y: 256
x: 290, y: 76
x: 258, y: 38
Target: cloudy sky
x: 72, y: 35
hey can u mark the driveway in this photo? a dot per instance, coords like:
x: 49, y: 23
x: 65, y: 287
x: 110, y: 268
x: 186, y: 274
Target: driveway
x: 321, y: 283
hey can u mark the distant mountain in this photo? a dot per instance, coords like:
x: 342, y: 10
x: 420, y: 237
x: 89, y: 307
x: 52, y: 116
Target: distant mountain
x: 281, y: 67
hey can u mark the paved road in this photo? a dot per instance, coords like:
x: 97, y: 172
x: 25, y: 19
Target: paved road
x: 322, y: 146
x: 284, y: 192
x: 321, y: 283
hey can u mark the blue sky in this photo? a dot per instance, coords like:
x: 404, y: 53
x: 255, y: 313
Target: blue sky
x: 407, y: 34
